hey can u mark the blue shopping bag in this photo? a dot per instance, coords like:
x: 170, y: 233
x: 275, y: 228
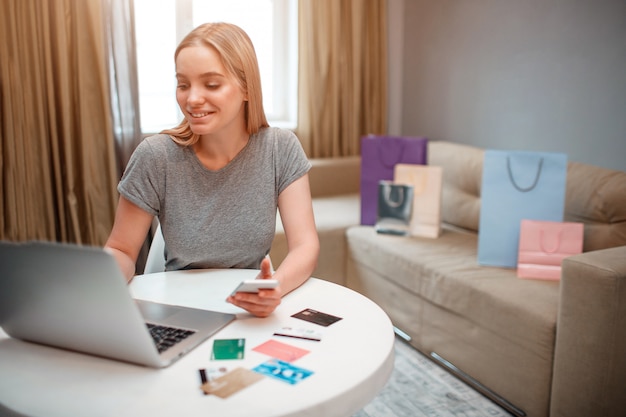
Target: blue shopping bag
x: 517, y: 185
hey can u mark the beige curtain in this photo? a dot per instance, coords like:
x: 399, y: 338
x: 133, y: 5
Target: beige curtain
x: 57, y: 157
x: 120, y: 34
x: 342, y: 74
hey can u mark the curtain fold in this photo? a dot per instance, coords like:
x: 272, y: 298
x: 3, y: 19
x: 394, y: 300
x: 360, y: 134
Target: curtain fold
x: 57, y: 156
x: 121, y: 50
x: 122, y: 53
x: 342, y: 93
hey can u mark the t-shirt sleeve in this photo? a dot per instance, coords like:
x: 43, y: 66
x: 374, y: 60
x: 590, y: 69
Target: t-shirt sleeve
x: 293, y: 162
x: 142, y: 183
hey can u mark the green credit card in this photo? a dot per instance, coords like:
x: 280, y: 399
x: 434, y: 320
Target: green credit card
x: 228, y: 349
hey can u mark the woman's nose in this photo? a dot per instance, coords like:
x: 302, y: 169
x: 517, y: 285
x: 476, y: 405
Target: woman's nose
x: 195, y: 95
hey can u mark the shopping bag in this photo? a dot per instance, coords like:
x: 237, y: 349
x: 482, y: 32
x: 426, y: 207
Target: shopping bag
x: 517, y: 185
x: 427, y: 185
x: 543, y: 245
x: 379, y: 155
x: 394, y: 208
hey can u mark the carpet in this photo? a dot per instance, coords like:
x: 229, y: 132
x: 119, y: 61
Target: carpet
x: 420, y: 388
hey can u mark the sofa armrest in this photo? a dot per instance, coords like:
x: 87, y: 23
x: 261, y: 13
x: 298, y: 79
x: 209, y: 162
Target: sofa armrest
x: 335, y: 176
x: 590, y: 353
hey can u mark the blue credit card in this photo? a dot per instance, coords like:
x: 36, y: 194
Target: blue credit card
x: 283, y: 371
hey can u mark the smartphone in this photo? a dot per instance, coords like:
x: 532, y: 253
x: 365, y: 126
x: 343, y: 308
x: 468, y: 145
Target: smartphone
x: 254, y: 285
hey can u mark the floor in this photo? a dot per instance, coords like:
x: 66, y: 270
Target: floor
x: 420, y: 388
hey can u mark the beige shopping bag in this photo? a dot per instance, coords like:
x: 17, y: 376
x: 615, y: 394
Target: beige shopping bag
x: 427, y: 182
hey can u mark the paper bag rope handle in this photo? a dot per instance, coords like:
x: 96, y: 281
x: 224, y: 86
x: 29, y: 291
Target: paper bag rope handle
x: 387, y: 195
x: 523, y: 189
x: 542, y: 241
x: 418, y: 186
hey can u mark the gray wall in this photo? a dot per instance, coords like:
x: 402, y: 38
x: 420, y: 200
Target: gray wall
x: 545, y: 75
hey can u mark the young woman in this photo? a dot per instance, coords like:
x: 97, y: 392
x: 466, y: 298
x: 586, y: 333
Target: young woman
x: 216, y: 180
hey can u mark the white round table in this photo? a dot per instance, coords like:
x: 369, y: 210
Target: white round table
x: 351, y: 363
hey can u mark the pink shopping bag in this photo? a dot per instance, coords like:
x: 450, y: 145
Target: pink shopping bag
x: 544, y: 244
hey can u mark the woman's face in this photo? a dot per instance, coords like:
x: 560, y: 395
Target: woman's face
x: 210, y: 98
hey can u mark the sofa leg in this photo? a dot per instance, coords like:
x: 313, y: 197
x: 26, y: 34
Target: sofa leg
x: 402, y: 334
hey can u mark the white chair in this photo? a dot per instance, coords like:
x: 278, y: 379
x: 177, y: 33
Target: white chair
x: 156, y: 255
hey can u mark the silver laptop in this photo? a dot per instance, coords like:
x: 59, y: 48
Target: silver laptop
x: 75, y: 297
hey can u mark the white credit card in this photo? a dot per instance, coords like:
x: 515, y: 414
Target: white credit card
x: 254, y: 285
x: 299, y: 333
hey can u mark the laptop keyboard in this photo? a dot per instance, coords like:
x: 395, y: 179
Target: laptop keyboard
x: 165, y: 337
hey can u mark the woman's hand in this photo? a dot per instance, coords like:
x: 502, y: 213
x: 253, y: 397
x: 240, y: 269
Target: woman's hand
x: 263, y: 303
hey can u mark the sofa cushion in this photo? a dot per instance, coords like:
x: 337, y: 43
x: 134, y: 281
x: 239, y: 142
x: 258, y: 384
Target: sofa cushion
x: 597, y: 197
x: 462, y: 177
x: 445, y: 272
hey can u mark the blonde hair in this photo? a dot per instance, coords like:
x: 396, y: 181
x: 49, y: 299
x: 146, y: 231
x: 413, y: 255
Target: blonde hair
x: 238, y: 56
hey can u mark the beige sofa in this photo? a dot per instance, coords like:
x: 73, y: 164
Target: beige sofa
x: 546, y: 348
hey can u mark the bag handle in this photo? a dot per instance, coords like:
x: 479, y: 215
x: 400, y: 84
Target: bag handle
x: 517, y: 187
x: 558, y: 242
x: 418, y: 181
x: 387, y: 195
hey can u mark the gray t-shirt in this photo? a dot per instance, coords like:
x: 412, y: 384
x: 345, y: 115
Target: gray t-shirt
x: 214, y: 219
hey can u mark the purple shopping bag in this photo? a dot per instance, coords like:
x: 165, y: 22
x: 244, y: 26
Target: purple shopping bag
x: 379, y: 156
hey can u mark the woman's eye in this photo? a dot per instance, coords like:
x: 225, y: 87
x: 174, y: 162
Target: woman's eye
x: 212, y: 86
x: 181, y: 86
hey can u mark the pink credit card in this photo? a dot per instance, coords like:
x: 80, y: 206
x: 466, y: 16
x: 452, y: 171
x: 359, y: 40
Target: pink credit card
x: 279, y: 350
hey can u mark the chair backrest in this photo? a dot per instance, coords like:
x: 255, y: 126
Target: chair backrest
x: 156, y: 255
